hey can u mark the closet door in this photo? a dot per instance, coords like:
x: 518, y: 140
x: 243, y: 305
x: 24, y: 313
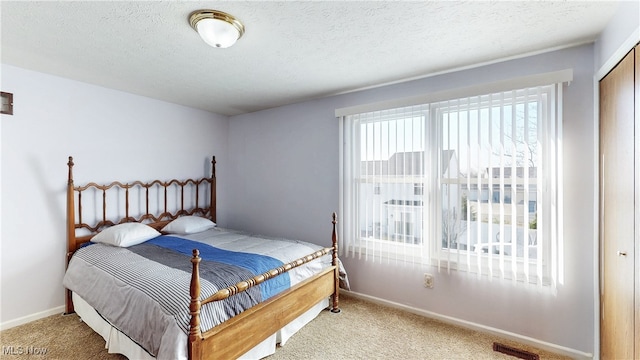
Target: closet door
x: 617, y: 212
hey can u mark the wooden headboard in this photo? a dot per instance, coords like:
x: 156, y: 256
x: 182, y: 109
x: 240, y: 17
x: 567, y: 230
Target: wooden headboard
x: 153, y: 205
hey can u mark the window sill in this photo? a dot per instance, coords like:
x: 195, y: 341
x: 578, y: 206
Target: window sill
x: 482, y: 264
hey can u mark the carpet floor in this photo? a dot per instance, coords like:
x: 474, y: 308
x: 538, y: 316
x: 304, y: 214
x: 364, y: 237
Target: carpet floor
x: 363, y: 330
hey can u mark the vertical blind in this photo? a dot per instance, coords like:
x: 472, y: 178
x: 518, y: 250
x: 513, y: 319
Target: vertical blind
x: 383, y: 192
x: 470, y: 183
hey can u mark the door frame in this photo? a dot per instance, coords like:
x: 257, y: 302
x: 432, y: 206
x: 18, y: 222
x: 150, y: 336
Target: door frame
x: 611, y: 62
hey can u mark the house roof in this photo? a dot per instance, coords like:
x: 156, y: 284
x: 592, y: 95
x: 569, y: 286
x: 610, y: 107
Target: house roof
x: 404, y: 163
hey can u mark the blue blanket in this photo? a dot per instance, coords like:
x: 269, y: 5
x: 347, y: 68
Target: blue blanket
x: 256, y: 264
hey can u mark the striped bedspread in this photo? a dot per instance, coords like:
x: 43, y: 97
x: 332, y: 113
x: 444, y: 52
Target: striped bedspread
x: 222, y: 267
x: 143, y: 290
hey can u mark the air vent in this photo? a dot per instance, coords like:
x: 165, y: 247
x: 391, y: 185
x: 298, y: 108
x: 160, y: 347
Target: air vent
x: 519, y: 353
x: 7, y: 103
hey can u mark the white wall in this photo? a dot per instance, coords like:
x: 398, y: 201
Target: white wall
x: 284, y: 163
x: 284, y: 171
x: 622, y: 32
x: 112, y: 136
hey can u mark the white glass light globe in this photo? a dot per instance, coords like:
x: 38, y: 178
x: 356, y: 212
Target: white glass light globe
x: 217, y: 33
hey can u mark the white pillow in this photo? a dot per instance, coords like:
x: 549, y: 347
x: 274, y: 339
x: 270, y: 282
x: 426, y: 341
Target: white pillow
x: 188, y: 225
x: 126, y: 234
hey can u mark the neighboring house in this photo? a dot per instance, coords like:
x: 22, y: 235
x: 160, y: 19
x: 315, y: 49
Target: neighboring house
x: 488, y: 193
x: 497, y: 205
x: 468, y: 207
x: 399, y: 181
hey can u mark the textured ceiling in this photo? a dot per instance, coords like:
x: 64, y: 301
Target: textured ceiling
x: 291, y: 51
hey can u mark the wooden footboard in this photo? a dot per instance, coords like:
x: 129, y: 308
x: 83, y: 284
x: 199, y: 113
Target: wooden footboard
x: 241, y: 333
x: 264, y: 319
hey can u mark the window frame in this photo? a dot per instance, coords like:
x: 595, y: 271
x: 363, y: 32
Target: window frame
x: 407, y: 252
x: 485, y: 262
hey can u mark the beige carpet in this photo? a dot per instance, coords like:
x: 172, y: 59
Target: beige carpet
x: 362, y: 331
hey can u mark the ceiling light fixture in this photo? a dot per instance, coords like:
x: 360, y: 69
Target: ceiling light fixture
x: 216, y: 28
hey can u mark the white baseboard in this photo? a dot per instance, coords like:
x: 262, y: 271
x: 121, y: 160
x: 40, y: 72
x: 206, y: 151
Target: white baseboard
x: 29, y: 318
x: 575, y: 354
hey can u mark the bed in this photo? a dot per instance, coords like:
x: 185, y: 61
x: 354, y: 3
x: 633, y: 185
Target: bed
x: 150, y: 271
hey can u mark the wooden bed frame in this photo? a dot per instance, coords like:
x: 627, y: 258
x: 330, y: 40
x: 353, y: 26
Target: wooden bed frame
x: 241, y: 333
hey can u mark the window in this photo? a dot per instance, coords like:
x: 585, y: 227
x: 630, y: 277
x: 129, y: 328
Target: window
x: 469, y: 184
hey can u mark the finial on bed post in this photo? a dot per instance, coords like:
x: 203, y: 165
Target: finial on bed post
x: 70, y: 165
x: 212, y: 204
x: 195, y: 335
x: 334, y: 239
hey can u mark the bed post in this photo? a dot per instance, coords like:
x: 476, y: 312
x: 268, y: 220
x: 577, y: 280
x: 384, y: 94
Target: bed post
x: 195, y: 335
x: 212, y: 205
x: 71, y: 231
x: 336, y: 295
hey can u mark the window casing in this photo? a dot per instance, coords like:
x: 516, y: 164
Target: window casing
x: 459, y: 181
